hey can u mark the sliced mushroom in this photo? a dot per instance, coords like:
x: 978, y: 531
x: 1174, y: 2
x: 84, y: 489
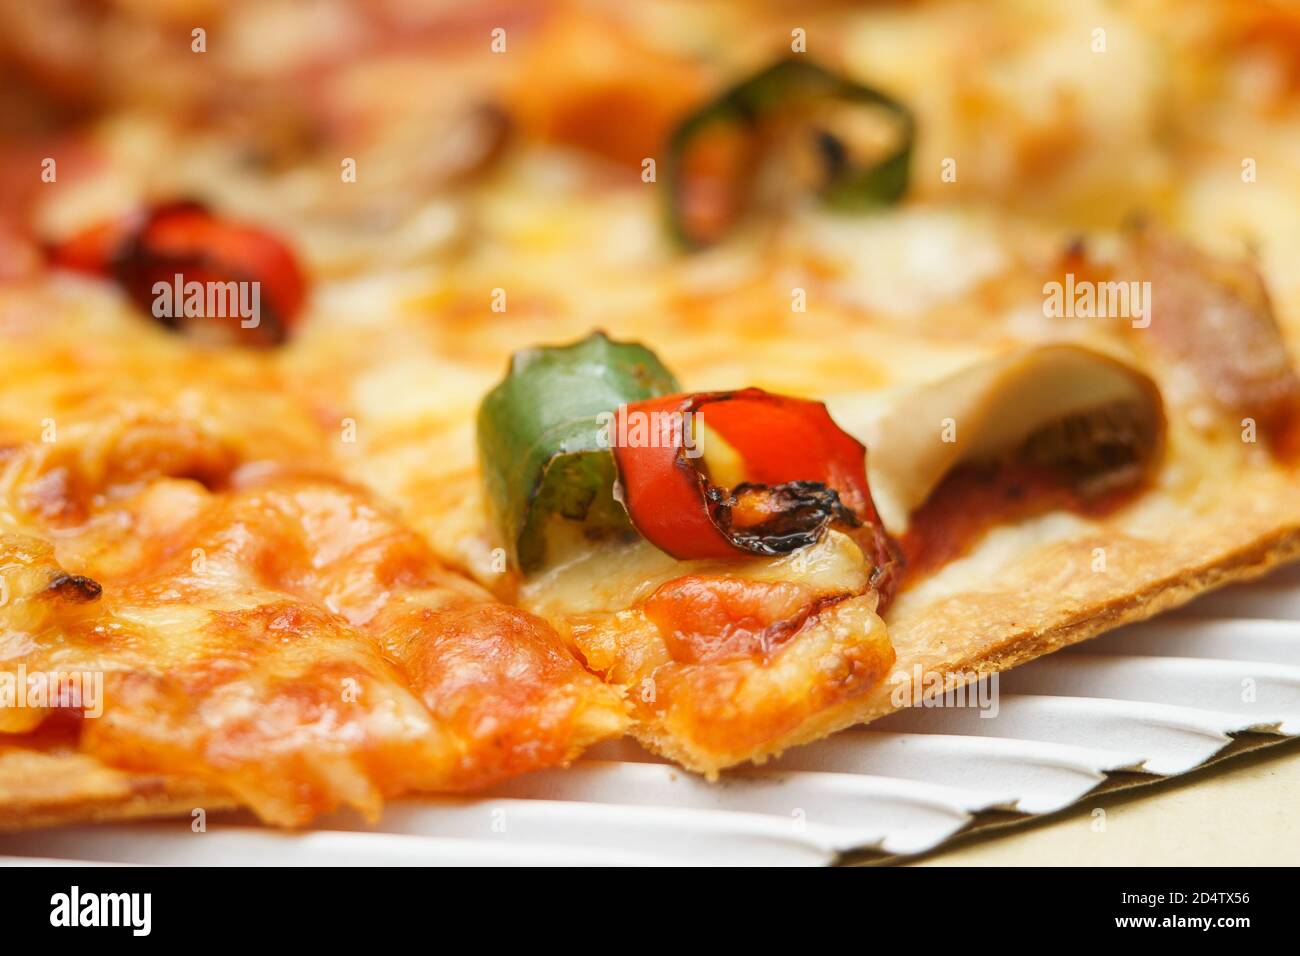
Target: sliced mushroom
x: 1098, y: 420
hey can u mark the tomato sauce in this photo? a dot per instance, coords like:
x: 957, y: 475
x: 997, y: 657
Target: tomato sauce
x: 973, y: 499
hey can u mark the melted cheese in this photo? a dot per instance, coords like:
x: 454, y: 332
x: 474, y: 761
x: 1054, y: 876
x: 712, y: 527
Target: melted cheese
x: 271, y: 632
x: 613, y: 575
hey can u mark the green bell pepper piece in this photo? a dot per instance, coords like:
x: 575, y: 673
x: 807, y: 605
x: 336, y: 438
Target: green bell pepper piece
x: 849, y: 188
x: 541, y: 444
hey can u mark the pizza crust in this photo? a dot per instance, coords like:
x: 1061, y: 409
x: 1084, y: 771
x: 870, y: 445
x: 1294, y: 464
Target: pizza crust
x: 45, y: 788
x: 979, y: 633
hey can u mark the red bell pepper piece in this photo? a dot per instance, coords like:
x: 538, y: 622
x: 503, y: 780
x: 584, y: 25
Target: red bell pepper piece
x: 186, y: 238
x: 94, y: 250
x: 803, y: 474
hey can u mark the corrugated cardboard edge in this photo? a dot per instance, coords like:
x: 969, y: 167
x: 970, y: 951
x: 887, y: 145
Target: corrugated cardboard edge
x: 1117, y: 787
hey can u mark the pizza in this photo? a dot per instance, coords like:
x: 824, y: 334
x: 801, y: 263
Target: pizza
x: 718, y: 374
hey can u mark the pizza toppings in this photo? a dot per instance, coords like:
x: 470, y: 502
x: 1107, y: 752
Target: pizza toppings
x: 791, y: 473
x: 1096, y: 421
x: 93, y: 249
x: 1045, y: 428
x: 791, y: 130
x: 543, y: 440
x: 1213, y: 317
x: 581, y: 442
x: 190, y: 269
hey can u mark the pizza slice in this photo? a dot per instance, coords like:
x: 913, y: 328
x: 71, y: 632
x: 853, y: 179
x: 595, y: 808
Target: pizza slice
x: 280, y: 614
x: 197, y: 613
x: 720, y: 554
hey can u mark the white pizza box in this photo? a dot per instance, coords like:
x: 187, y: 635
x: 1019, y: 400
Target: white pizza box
x: 1140, y: 704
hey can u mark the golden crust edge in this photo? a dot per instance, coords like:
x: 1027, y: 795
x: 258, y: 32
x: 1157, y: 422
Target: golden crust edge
x: 180, y: 799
